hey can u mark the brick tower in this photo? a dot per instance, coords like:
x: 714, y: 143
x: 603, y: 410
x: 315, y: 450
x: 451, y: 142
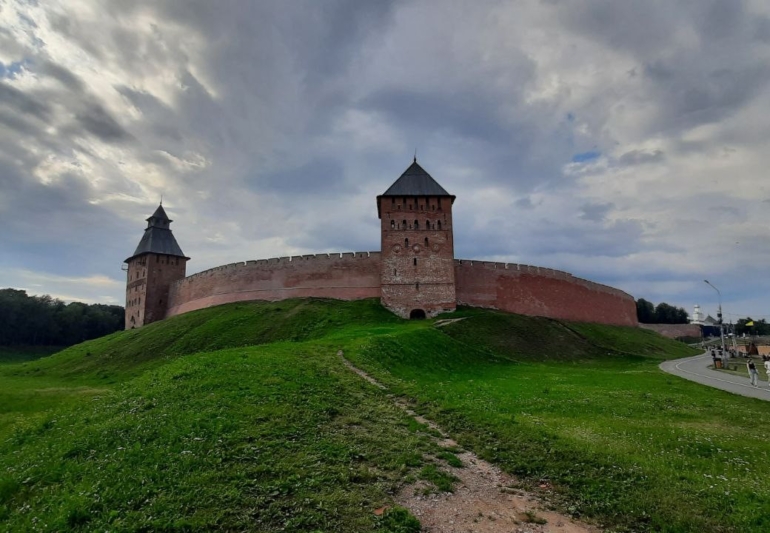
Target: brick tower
x: 418, y: 273
x: 157, y: 262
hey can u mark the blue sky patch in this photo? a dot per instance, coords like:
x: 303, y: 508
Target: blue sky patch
x: 12, y: 69
x: 586, y: 156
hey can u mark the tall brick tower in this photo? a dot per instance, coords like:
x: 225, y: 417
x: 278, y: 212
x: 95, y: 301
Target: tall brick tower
x: 157, y: 262
x: 418, y: 273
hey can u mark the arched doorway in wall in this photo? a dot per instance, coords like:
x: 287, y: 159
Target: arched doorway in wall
x: 417, y: 314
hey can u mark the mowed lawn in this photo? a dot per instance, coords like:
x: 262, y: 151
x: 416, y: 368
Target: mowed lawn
x: 242, y: 417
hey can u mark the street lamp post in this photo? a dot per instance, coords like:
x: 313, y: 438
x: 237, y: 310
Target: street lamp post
x: 719, y: 317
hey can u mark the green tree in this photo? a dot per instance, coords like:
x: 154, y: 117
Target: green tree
x: 663, y: 313
x: 43, y: 320
x: 757, y: 327
x: 645, y: 311
x: 668, y: 314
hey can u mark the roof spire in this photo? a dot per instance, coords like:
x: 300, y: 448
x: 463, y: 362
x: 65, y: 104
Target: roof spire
x: 415, y: 154
x: 161, y: 199
x: 157, y: 238
x: 415, y: 182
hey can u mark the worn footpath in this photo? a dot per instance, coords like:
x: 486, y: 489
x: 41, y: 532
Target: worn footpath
x: 485, y: 499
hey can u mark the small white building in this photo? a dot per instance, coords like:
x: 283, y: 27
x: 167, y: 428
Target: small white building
x: 697, y: 316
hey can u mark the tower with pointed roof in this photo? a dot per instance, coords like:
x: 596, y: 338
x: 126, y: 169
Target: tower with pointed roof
x: 157, y: 262
x: 418, y: 273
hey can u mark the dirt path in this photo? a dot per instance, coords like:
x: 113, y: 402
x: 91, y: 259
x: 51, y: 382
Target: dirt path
x: 485, y: 499
x: 446, y: 322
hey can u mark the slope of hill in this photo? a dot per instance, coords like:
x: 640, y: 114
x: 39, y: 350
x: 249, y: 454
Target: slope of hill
x: 243, y: 417
x: 115, y: 357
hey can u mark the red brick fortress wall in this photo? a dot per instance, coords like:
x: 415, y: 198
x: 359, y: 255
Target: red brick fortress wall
x: 537, y: 291
x: 348, y: 276
x: 674, y: 331
x: 512, y: 288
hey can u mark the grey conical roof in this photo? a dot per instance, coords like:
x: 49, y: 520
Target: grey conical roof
x: 416, y: 182
x: 160, y: 214
x: 157, y: 238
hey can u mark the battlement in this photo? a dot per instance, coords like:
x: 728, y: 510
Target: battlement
x: 342, y: 276
x: 541, y: 271
x: 273, y: 262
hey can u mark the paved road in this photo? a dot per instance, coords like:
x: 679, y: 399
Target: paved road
x: 697, y: 369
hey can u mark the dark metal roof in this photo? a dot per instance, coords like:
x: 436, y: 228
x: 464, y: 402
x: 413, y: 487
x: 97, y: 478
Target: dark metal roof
x: 416, y: 182
x: 160, y: 214
x: 157, y: 238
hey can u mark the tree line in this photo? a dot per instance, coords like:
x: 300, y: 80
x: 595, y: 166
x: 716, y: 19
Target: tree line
x: 46, y: 321
x: 752, y: 327
x: 663, y: 313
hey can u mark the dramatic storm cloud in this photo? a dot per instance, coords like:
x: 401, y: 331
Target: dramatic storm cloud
x: 625, y: 142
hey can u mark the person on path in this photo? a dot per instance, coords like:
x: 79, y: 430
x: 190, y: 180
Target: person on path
x: 753, y: 374
x: 767, y: 368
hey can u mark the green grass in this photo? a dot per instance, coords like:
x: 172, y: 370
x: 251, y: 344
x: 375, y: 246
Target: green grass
x: 619, y: 440
x: 113, y: 358
x: 441, y: 480
x: 22, y: 397
x: 235, y: 439
x: 19, y: 354
x: 242, y: 417
x: 451, y: 459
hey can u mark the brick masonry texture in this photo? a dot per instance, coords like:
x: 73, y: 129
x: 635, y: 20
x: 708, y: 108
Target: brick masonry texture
x: 147, y: 291
x: 417, y: 255
x: 522, y: 289
x: 674, y: 331
x: 536, y: 291
x: 348, y: 276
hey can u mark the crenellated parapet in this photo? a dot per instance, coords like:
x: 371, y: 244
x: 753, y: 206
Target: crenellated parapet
x: 512, y: 287
x: 343, y: 276
x: 280, y: 261
x: 544, y: 272
x: 539, y: 291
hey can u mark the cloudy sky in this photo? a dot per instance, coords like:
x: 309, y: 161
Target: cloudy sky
x: 625, y: 142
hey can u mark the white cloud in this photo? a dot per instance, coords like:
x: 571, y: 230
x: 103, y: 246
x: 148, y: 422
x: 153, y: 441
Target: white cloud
x: 96, y: 288
x: 270, y: 128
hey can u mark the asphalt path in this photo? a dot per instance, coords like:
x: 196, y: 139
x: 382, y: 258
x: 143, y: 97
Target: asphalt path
x: 697, y: 369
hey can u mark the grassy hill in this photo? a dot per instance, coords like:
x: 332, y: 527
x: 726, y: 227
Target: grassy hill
x: 242, y: 417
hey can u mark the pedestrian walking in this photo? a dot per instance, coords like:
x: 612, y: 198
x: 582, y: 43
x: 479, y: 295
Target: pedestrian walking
x: 753, y: 374
x: 767, y: 368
